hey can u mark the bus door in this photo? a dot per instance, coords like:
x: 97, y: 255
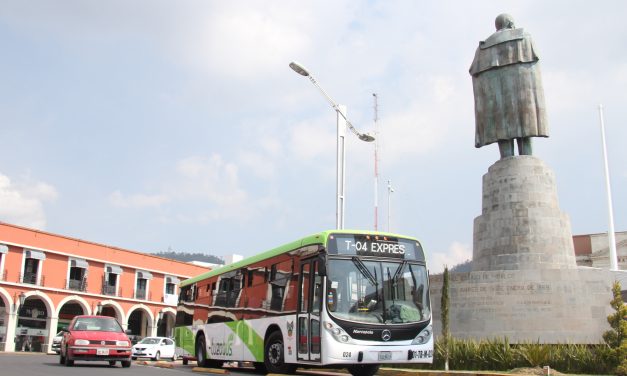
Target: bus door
x: 308, y: 316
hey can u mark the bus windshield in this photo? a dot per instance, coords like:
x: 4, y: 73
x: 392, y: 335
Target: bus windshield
x: 387, y: 292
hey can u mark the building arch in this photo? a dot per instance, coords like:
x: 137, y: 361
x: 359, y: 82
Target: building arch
x: 81, y: 301
x: 117, y: 310
x: 165, y: 326
x: 140, y: 321
x: 8, y: 300
x: 33, y: 327
x: 7, y: 320
x: 45, y: 298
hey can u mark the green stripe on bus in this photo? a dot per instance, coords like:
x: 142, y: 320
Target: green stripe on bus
x: 184, y: 338
x: 248, y: 335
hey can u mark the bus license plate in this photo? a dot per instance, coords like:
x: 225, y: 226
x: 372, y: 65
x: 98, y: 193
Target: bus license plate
x: 102, y: 351
x: 385, y: 355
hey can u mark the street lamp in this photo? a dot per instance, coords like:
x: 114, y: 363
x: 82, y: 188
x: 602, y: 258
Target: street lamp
x: 342, y: 124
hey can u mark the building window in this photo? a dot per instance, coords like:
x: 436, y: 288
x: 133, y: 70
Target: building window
x: 170, y: 295
x: 32, y: 267
x: 141, y: 285
x: 110, y: 280
x: 77, y: 278
x: 3, y: 273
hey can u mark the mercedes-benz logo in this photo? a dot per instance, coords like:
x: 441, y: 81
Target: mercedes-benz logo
x: 386, y: 335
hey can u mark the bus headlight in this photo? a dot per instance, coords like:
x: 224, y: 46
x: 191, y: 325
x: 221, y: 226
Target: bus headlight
x: 337, y: 332
x: 424, y: 336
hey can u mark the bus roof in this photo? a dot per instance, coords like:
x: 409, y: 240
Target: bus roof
x: 319, y: 238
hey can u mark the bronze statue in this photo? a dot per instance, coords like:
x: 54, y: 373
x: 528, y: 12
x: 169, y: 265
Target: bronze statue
x: 509, y: 99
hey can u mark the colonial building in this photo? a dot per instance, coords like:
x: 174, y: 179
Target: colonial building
x: 593, y: 250
x: 47, y: 279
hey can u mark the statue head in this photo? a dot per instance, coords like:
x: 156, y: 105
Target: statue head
x: 504, y: 21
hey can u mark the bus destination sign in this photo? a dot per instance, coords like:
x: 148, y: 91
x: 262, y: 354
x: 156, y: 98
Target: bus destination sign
x: 376, y: 246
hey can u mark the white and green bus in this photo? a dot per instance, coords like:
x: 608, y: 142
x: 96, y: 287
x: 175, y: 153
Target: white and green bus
x: 339, y: 298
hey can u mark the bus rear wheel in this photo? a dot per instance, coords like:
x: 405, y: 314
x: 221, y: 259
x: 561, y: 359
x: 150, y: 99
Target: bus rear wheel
x: 201, y: 352
x: 201, y: 355
x: 274, y: 355
x: 364, y: 369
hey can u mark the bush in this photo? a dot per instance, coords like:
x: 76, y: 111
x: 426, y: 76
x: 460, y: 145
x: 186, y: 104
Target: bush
x: 500, y: 355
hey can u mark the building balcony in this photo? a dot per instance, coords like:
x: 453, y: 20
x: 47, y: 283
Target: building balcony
x: 31, y: 278
x: 109, y: 290
x: 143, y: 294
x: 77, y: 285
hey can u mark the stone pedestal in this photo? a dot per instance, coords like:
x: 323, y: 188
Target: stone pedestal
x: 525, y: 284
x: 521, y: 226
x: 549, y: 305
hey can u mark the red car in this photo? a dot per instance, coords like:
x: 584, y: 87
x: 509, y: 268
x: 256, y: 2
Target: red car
x: 95, y: 338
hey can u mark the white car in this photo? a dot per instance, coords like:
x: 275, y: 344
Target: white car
x: 154, y: 348
x: 56, y: 342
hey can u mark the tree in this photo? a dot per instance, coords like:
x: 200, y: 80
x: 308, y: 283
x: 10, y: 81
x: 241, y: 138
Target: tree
x: 444, y: 302
x: 616, y: 338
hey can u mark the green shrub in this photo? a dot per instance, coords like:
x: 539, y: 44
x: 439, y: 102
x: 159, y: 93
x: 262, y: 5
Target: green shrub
x: 500, y: 355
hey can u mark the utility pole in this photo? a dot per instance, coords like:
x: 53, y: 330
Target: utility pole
x: 376, y: 161
x: 611, y: 237
x: 390, y: 190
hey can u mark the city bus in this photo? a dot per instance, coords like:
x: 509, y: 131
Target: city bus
x: 335, y: 299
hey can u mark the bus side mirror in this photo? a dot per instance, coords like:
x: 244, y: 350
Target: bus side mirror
x: 322, y: 266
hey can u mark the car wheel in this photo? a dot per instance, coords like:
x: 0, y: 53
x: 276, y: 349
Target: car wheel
x: 157, y: 356
x: 174, y: 357
x: 134, y: 358
x: 274, y: 357
x: 67, y: 361
x: 126, y: 363
x: 112, y: 362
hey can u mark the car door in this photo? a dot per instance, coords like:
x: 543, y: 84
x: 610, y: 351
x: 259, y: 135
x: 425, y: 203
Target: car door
x: 167, y: 348
x: 169, y: 344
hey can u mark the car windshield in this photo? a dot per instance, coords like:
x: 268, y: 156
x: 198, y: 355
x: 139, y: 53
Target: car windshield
x: 97, y: 324
x: 150, y: 341
x: 377, y: 292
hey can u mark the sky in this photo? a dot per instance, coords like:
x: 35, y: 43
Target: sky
x: 156, y: 125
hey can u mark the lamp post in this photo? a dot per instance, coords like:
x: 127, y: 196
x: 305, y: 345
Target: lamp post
x: 611, y: 237
x: 342, y: 124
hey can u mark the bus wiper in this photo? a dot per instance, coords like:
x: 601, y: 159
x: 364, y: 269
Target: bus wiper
x: 399, y: 272
x: 365, y: 272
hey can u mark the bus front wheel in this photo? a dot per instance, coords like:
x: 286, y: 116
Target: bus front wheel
x: 274, y: 355
x: 363, y: 369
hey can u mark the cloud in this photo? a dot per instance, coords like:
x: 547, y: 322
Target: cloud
x: 117, y: 199
x: 310, y: 141
x: 457, y: 254
x: 199, y: 190
x: 22, y: 202
x: 211, y: 179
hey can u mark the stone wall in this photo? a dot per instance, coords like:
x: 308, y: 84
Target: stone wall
x: 549, y: 305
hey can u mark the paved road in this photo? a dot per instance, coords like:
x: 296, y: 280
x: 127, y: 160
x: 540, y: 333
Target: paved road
x: 37, y: 364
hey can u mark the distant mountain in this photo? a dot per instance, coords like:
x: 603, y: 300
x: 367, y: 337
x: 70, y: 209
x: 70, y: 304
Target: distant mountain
x: 464, y: 267
x: 187, y: 257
